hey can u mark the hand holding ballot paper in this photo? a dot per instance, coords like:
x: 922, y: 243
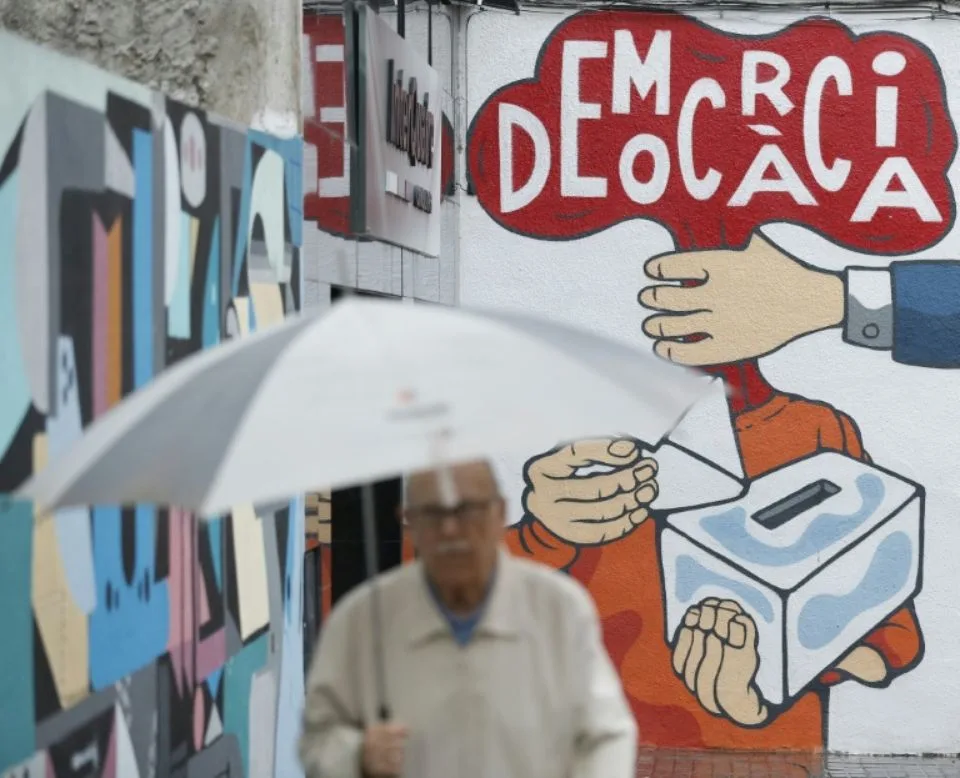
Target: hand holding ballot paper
x: 760, y: 588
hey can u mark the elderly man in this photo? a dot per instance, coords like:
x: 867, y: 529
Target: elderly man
x: 495, y: 666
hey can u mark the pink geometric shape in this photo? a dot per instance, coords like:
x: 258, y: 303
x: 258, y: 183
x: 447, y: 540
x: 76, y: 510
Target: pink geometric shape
x: 211, y: 654
x: 199, y: 718
x: 181, y: 593
x: 204, y: 602
x: 110, y: 763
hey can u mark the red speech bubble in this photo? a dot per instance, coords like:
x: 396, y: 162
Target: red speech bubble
x: 658, y: 116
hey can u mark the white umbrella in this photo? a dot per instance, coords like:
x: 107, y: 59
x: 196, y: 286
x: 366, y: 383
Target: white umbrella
x: 368, y: 390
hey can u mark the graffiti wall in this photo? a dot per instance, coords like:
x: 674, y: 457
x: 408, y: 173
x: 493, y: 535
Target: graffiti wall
x: 134, y: 231
x: 769, y: 198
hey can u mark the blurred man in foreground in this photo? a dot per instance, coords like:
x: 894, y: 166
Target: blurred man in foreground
x: 495, y: 666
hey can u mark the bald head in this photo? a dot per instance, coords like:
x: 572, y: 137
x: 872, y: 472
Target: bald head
x: 456, y: 518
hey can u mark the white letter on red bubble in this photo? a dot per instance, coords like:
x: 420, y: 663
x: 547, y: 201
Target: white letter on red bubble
x: 830, y: 178
x: 511, y: 116
x: 913, y: 196
x: 645, y: 192
x: 572, y: 184
x: 703, y: 89
x: 631, y: 71
x: 754, y: 180
x: 751, y: 87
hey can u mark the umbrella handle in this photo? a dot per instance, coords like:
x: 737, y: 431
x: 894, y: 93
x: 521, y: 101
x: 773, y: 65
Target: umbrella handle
x: 376, y: 617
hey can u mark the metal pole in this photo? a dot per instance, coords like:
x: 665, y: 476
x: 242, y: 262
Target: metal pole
x: 373, y: 570
x: 402, y: 18
x: 430, y: 32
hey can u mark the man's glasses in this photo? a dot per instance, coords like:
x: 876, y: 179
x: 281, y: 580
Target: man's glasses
x: 465, y: 511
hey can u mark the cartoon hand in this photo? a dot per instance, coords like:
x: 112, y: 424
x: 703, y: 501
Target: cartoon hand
x: 866, y: 664
x: 716, y: 656
x: 595, y: 508
x: 747, y: 303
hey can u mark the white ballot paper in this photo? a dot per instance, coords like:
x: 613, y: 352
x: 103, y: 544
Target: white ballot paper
x: 699, y: 462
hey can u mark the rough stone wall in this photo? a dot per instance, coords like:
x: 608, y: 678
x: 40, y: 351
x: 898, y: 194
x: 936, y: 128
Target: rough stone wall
x: 237, y: 58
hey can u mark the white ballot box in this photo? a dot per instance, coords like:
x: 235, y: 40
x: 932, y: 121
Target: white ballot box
x: 818, y: 553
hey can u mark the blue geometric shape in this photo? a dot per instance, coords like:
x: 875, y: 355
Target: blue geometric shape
x: 290, y: 695
x: 211, y: 291
x: 291, y: 149
x: 14, y: 388
x: 243, y: 219
x: 729, y: 529
x: 824, y: 617
x: 213, y: 681
x: 17, y: 740
x: 143, y: 258
x: 76, y: 552
x: 293, y: 575
x: 178, y: 314
x: 215, y: 533
x: 131, y: 624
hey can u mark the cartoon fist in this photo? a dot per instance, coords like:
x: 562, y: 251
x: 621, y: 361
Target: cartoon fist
x: 744, y: 304
x: 716, y: 656
x: 593, y: 508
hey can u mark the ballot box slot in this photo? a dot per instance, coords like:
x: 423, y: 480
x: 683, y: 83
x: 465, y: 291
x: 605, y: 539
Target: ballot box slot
x: 791, y: 506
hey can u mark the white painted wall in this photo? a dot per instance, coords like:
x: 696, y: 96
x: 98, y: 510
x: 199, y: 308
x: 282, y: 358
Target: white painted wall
x: 908, y: 416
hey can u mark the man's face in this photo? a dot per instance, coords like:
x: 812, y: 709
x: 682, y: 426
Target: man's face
x: 457, y: 543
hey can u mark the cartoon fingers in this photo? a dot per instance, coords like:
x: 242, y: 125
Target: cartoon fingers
x: 735, y: 304
x: 594, y: 508
x: 715, y: 654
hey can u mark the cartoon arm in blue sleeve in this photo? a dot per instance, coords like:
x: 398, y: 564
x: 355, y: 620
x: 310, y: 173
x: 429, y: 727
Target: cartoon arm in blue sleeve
x: 911, y: 309
x: 747, y: 303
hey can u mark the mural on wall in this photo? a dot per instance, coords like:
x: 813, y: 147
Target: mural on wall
x: 134, y: 231
x: 733, y: 602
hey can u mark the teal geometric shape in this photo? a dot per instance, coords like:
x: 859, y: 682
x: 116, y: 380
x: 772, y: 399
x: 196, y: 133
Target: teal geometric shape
x: 17, y: 733
x: 237, y: 680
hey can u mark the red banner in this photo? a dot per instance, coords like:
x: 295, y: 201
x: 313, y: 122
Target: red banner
x: 711, y: 134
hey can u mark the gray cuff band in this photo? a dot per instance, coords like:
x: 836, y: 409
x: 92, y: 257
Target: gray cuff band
x: 869, y: 304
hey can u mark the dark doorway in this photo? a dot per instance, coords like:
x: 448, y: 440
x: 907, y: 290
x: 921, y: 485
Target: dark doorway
x: 347, y: 552
x: 347, y: 547
x: 311, y: 603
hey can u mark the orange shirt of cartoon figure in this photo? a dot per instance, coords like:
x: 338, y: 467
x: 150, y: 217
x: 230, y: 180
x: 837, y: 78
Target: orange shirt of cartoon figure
x: 624, y: 577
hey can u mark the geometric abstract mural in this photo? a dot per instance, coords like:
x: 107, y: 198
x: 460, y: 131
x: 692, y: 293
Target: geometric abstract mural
x: 135, y: 230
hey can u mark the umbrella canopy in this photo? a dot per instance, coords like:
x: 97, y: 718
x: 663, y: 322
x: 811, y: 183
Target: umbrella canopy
x: 367, y: 390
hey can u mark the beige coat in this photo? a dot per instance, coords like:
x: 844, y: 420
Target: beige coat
x: 533, y: 695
